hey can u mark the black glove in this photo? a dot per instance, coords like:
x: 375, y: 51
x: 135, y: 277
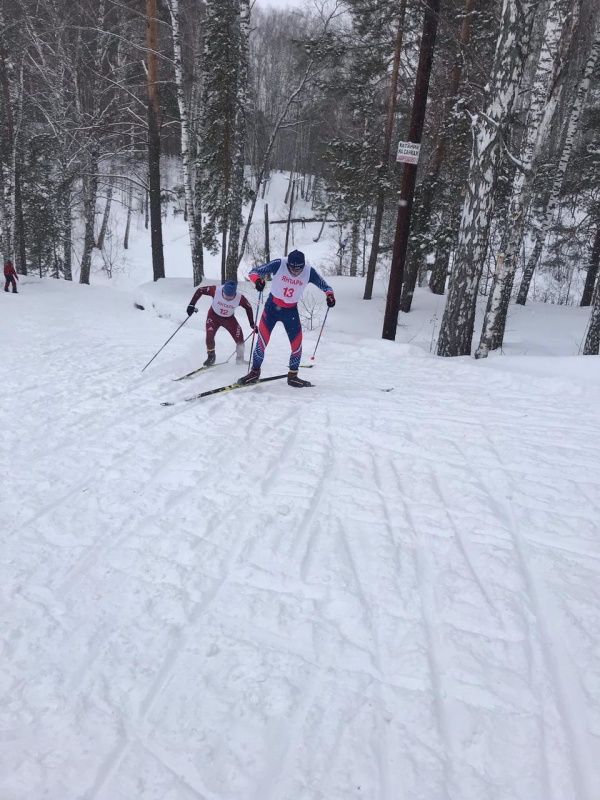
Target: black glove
x: 255, y: 329
x: 191, y: 310
x: 259, y: 284
x: 330, y: 299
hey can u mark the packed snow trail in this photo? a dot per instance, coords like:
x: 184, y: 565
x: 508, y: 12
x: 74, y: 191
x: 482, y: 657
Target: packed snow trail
x: 283, y: 595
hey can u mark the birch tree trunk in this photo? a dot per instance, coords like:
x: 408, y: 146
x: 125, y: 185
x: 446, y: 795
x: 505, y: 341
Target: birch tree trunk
x: 546, y: 89
x: 456, y: 330
x: 189, y: 181
x: 561, y: 168
x: 105, y: 216
x: 239, y: 145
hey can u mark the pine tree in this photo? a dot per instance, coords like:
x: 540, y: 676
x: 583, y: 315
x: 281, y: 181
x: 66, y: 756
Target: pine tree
x: 354, y: 155
x: 217, y: 128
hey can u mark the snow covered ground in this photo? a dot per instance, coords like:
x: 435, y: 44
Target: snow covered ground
x: 384, y: 587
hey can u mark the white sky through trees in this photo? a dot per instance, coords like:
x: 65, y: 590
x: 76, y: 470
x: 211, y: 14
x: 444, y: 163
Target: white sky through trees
x: 279, y: 4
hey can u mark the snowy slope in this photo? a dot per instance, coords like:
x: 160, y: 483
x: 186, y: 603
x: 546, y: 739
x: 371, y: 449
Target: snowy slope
x: 283, y: 594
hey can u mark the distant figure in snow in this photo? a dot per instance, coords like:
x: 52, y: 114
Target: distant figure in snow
x: 291, y: 276
x: 10, y: 275
x: 226, y: 299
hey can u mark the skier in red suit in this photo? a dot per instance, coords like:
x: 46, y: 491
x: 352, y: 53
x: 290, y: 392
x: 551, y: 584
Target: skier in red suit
x: 226, y: 299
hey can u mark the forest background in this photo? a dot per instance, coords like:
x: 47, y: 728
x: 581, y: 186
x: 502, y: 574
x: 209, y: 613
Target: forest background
x: 94, y: 94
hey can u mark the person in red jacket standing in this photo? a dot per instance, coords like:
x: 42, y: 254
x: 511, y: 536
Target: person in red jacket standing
x: 10, y: 275
x: 225, y: 300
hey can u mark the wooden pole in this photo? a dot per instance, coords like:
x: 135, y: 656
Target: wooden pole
x: 415, y: 133
x: 267, y: 244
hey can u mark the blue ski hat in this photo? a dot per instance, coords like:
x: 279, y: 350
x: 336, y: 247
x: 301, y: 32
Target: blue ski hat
x: 295, y: 259
x: 230, y: 288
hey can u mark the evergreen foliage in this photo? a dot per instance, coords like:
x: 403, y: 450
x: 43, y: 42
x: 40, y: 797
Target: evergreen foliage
x: 312, y: 101
x: 218, y: 113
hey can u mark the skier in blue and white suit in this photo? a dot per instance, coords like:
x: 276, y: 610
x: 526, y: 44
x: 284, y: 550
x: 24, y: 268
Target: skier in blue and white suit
x: 291, y: 276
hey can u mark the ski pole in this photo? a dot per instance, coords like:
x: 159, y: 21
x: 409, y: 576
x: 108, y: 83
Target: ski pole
x: 254, y: 331
x: 235, y: 351
x: 312, y: 358
x: 167, y: 342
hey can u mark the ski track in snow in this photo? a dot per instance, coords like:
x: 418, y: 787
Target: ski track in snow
x: 279, y: 595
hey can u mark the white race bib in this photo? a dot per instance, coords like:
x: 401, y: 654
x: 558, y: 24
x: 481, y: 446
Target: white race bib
x: 288, y: 287
x: 223, y: 307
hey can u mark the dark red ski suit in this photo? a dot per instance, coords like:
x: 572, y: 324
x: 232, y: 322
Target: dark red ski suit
x: 214, y: 321
x: 10, y: 275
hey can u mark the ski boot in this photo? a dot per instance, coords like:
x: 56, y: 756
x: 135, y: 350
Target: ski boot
x: 295, y: 381
x: 211, y: 359
x: 251, y: 377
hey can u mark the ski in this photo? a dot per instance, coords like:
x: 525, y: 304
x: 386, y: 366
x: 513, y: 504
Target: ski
x: 200, y: 369
x: 220, y: 364
x: 221, y: 389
